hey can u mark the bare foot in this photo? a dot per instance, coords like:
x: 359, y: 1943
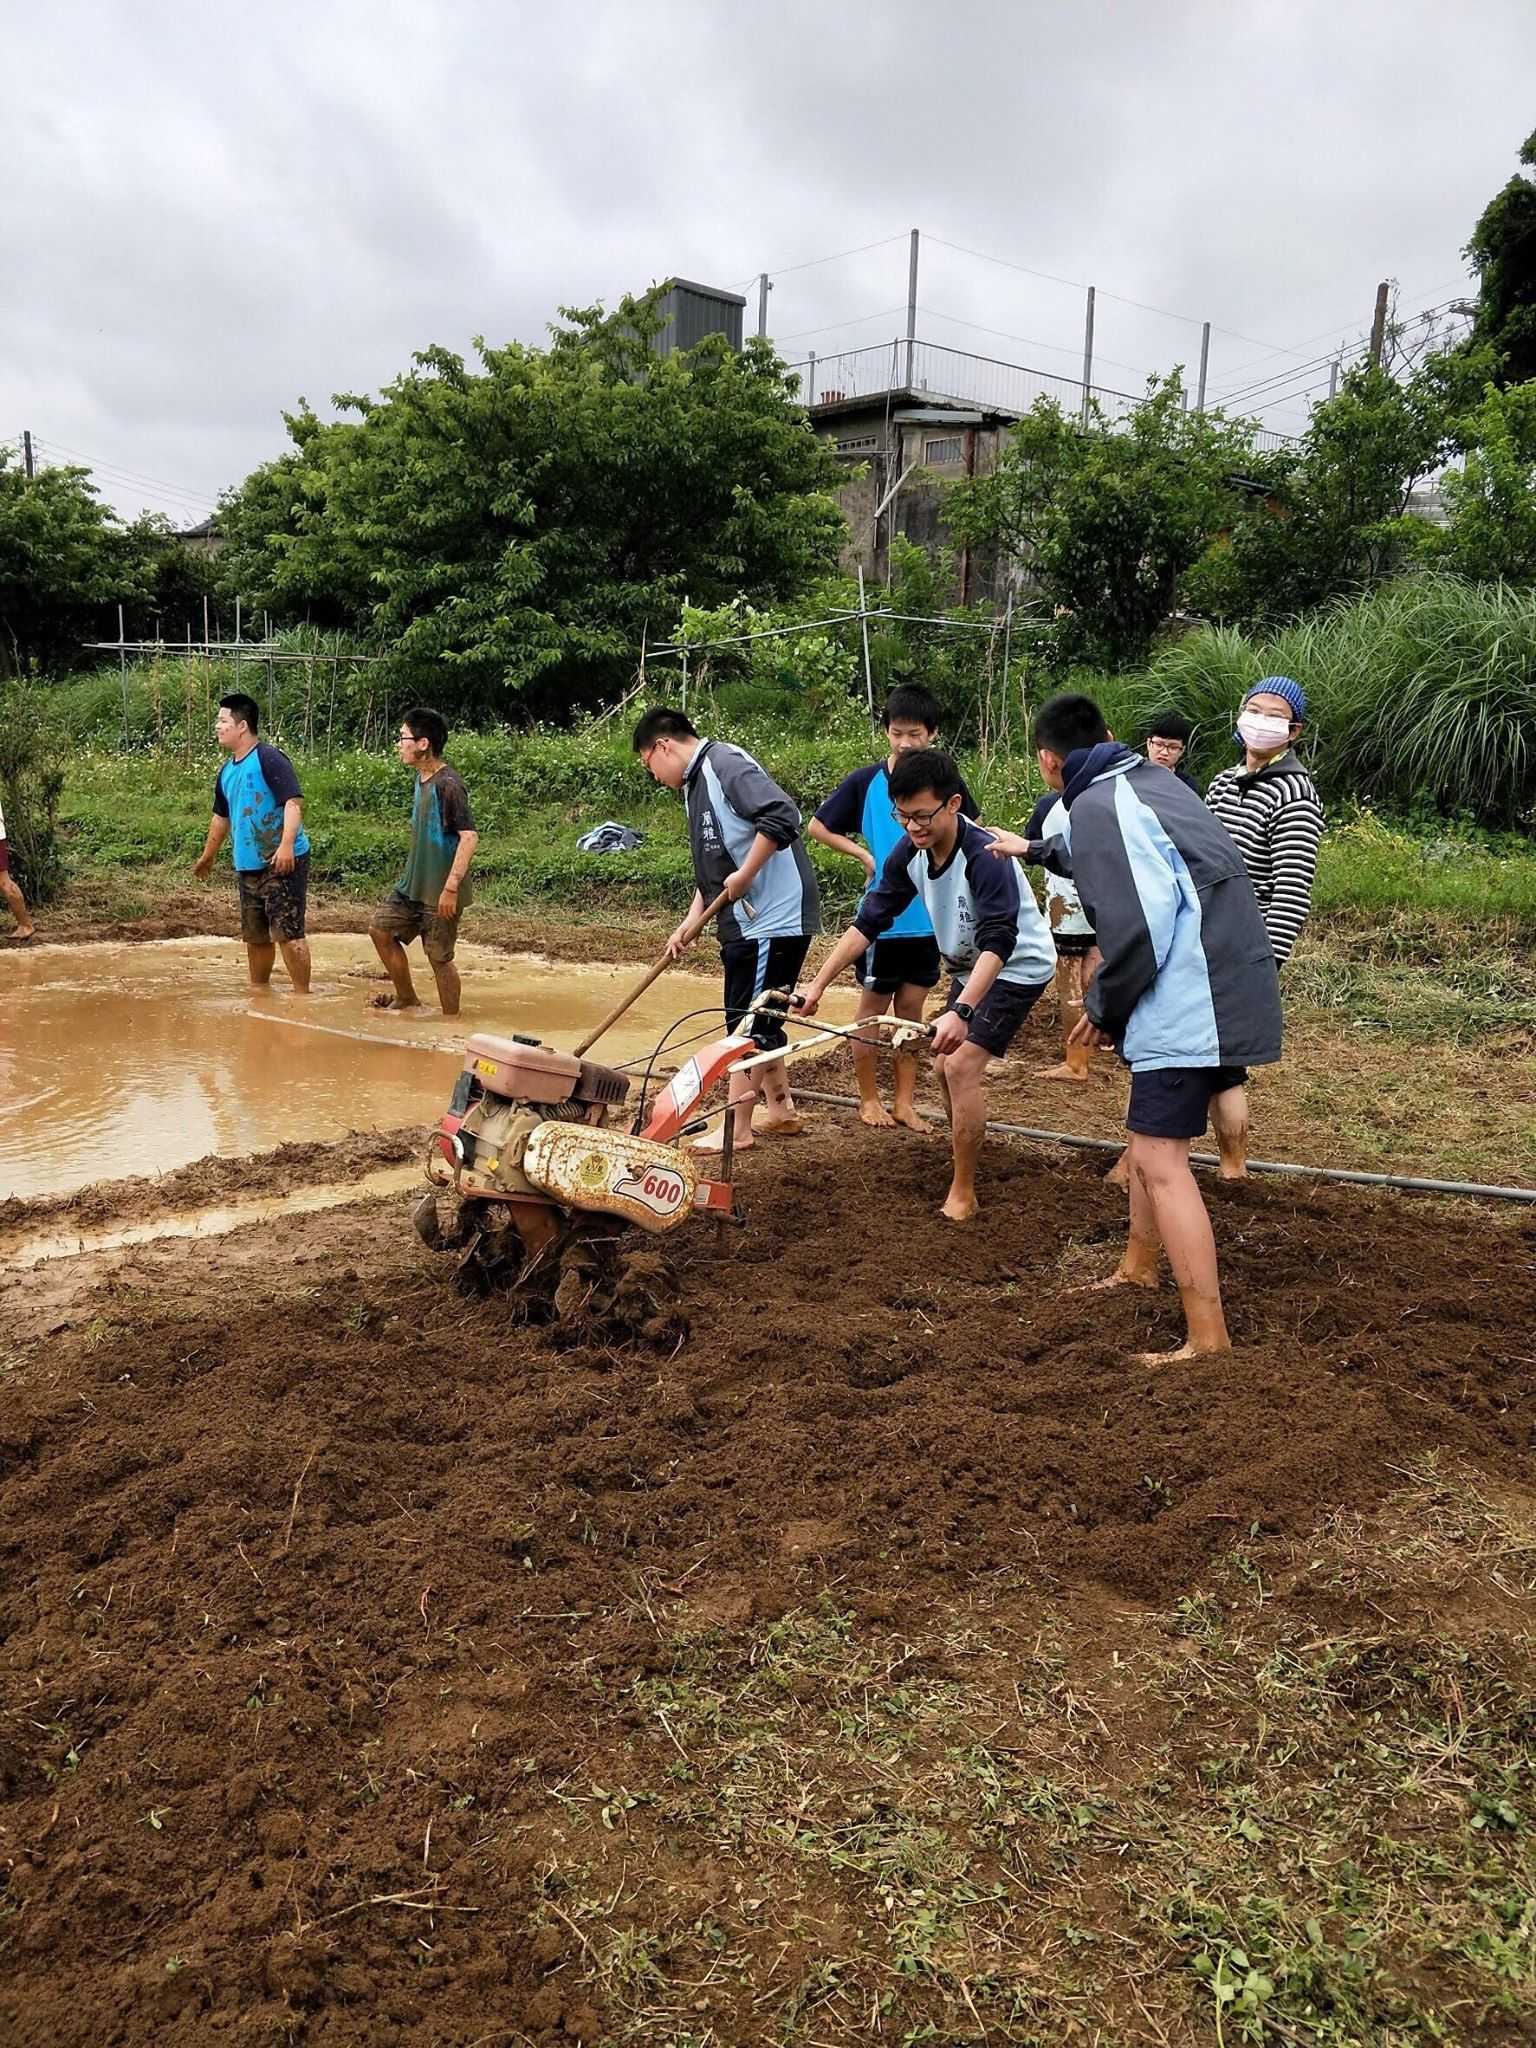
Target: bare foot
x: 1062, y: 1072
x: 259, y: 988
x: 959, y: 1208
x: 23, y: 938
x: 394, y: 1002
x: 1119, y: 1175
x: 876, y: 1115
x: 714, y: 1141
x: 1225, y: 1172
x: 1189, y: 1350
x: 905, y: 1115
x: 779, y: 1127
x: 1149, y: 1284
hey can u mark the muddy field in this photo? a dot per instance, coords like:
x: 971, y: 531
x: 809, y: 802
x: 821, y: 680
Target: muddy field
x: 353, y: 1639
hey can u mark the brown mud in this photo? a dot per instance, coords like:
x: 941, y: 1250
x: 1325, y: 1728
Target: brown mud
x: 322, y: 1589
x: 209, y: 1181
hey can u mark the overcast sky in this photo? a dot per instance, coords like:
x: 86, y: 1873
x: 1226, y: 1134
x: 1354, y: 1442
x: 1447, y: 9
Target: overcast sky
x: 206, y: 211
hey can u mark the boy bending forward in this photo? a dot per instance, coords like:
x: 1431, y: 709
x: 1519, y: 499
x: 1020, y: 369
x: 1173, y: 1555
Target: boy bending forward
x: 990, y: 932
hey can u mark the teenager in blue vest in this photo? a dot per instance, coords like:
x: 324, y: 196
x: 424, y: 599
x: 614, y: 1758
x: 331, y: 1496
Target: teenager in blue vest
x: 900, y: 968
x: 259, y: 808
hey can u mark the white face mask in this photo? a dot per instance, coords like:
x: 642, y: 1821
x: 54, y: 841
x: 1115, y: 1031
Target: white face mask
x: 1257, y: 729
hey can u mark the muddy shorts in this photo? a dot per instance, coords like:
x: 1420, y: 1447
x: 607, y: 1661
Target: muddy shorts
x: 999, y: 1013
x: 272, y: 905
x: 752, y: 968
x: 893, y: 964
x: 405, y: 920
x: 1175, y: 1102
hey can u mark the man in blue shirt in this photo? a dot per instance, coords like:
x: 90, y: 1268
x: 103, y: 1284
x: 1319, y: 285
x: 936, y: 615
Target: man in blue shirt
x: 258, y: 805
x: 900, y: 968
x: 991, y: 936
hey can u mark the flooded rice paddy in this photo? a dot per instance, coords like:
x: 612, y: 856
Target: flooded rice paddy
x: 135, y: 1059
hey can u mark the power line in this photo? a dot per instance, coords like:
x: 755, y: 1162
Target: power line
x: 1030, y: 341
x: 788, y: 269
x: 834, y: 326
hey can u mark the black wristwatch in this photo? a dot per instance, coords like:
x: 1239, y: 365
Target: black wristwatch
x: 964, y: 1011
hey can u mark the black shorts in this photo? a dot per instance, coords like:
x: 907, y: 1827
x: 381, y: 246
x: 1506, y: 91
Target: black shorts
x: 1073, y: 945
x: 892, y: 964
x: 999, y: 1013
x: 272, y: 905
x: 1175, y: 1102
x: 752, y: 968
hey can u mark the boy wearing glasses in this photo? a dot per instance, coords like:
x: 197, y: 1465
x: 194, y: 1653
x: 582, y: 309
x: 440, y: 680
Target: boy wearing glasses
x: 897, y: 971
x: 991, y: 936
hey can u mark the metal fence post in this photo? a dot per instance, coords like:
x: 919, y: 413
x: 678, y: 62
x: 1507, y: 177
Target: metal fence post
x: 1087, y: 359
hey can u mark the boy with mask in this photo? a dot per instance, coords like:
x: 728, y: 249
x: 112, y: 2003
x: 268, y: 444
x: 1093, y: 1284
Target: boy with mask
x: 1186, y: 992
x: 1269, y: 805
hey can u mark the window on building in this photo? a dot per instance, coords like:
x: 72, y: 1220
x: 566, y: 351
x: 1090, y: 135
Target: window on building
x: 948, y: 448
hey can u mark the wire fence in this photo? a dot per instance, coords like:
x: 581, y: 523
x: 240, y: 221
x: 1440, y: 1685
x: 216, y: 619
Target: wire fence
x: 930, y: 370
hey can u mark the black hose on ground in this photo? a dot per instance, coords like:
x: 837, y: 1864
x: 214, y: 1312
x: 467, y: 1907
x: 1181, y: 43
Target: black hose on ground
x: 1348, y: 1175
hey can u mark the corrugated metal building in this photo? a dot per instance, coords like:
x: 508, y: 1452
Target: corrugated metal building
x: 693, y: 312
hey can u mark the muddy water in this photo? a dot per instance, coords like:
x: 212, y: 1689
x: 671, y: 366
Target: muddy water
x: 136, y: 1059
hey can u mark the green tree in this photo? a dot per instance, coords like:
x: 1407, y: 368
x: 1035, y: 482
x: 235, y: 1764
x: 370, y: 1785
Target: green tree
x: 1332, y: 519
x: 62, y: 557
x: 1502, y: 251
x: 512, y: 530
x: 1108, y: 520
x: 1491, y: 497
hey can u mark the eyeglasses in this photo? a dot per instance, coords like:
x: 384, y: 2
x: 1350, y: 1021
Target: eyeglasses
x: 922, y: 819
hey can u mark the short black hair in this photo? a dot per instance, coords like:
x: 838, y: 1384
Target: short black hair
x: 1169, y: 725
x: 423, y: 723
x: 925, y: 768
x: 911, y: 703
x: 238, y: 705
x: 662, y: 724
x: 1069, y: 721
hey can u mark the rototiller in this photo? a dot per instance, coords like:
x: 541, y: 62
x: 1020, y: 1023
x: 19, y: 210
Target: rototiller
x: 549, y: 1173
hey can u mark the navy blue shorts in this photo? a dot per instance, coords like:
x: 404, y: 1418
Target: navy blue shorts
x: 890, y: 965
x: 1175, y: 1102
x: 755, y: 967
x: 999, y: 1013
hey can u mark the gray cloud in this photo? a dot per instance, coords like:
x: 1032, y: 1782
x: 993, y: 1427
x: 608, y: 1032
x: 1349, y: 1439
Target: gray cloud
x: 213, y: 210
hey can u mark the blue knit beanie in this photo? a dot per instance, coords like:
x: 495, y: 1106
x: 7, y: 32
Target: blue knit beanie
x: 1286, y: 687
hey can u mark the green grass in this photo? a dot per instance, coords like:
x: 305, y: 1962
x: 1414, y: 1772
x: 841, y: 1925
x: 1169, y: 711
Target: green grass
x: 1237, y: 1825
x: 535, y: 795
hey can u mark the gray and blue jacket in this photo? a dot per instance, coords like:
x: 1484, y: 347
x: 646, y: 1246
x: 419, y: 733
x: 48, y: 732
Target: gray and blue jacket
x: 976, y: 903
x: 729, y: 800
x: 1189, y: 977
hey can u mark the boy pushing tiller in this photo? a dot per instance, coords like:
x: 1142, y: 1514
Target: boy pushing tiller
x: 990, y: 934
x: 898, y: 970
x: 1187, y: 990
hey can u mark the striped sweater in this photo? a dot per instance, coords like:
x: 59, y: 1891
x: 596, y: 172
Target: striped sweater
x: 1276, y: 820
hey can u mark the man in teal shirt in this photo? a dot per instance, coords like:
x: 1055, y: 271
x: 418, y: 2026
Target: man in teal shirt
x: 257, y: 804
x: 427, y: 900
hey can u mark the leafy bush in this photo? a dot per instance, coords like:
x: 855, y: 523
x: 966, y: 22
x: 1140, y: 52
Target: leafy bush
x: 31, y: 784
x: 1421, y: 695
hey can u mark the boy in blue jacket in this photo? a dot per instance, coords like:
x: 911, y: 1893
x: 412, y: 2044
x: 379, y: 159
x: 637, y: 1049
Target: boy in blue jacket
x: 1187, y: 991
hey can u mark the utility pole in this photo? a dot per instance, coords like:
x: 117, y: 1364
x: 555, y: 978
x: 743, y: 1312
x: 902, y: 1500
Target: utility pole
x: 1205, y: 357
x: 763, y: 289
x: 1333, y: 380
x: 911, y: 306
x: 810, y: 381
x: 1087, y: 359
x: 27, y: 462
x: 1379, y: 322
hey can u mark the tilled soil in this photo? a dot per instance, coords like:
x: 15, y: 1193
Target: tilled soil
x: 318, y: 1578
